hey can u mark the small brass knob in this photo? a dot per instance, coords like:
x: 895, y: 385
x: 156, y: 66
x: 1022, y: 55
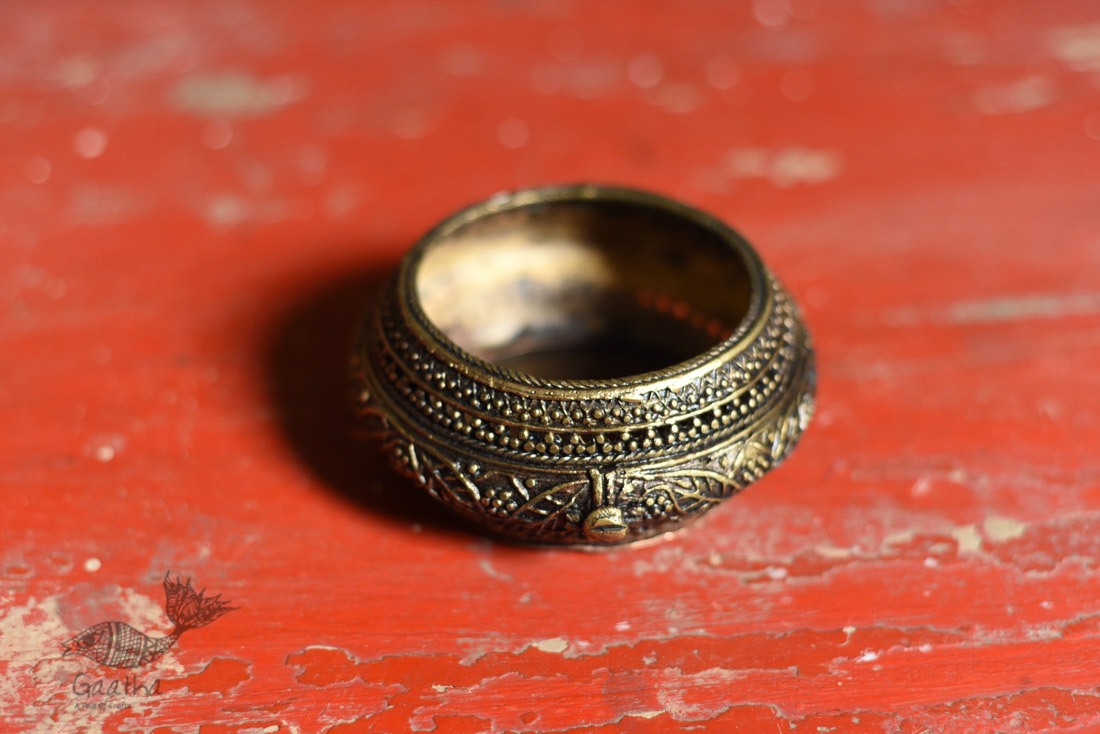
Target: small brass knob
x: 605, y: 525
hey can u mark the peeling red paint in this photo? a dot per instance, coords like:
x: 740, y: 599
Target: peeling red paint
x: 220, y: 675
x: 198, y: 199
x: 324, y: 666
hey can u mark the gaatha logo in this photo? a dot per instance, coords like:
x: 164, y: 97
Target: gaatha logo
x: 118, y: 645
x: 85, y: 686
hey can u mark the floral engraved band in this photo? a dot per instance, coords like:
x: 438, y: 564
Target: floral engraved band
x: 584, y: 365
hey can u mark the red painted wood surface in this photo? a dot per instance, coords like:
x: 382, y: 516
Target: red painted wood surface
x: 196, y: 198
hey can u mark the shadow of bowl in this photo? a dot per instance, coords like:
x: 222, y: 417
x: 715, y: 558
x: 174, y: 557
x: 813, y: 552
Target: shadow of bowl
x: 307, y: 378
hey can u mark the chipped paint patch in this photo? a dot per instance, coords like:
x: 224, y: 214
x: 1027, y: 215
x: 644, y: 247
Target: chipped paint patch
x: 1025, y: 307
x: 326, y: 675
x: 321, y: 666
x: 968, y: 538
x: 645, y: 714
x: 834, y: 552
x: 902, y: 537
x: 236, y: 94
x: 1004, y: 309
x: 693, y: 697
x: 220, y: 675
x: 999, y: 528
x: 556, y: 645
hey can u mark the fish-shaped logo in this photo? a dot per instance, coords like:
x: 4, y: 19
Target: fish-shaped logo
x: 118, y: 645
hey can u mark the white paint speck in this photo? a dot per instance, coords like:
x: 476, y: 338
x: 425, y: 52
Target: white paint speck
x: 868, y: 656
x: 37, y: 170
x: 92, y: 565
x: 106, y: 448
x: 831, y: 551
x: 645, y: 71
x: 271, y: 729
x: 921, y: 487
x: 1047, y: 604
x: 797, y: 85
x: 513, y: 133
x: 925, y: 648
x: 772, y: 13
x: 931, y: 562
x: 554, y: 645
x: 487, y: 566
x: 622, y: 626
x: 722, y: 72
x: 90, y: 143
x: 777, y: 573
x: 217, y: 134
x: 785, y: 167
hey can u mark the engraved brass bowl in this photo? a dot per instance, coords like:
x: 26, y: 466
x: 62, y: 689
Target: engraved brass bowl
x: 584, y: 365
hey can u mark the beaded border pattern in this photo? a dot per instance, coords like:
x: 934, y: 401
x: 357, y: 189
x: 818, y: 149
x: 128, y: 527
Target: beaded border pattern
x: 639, y: 472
